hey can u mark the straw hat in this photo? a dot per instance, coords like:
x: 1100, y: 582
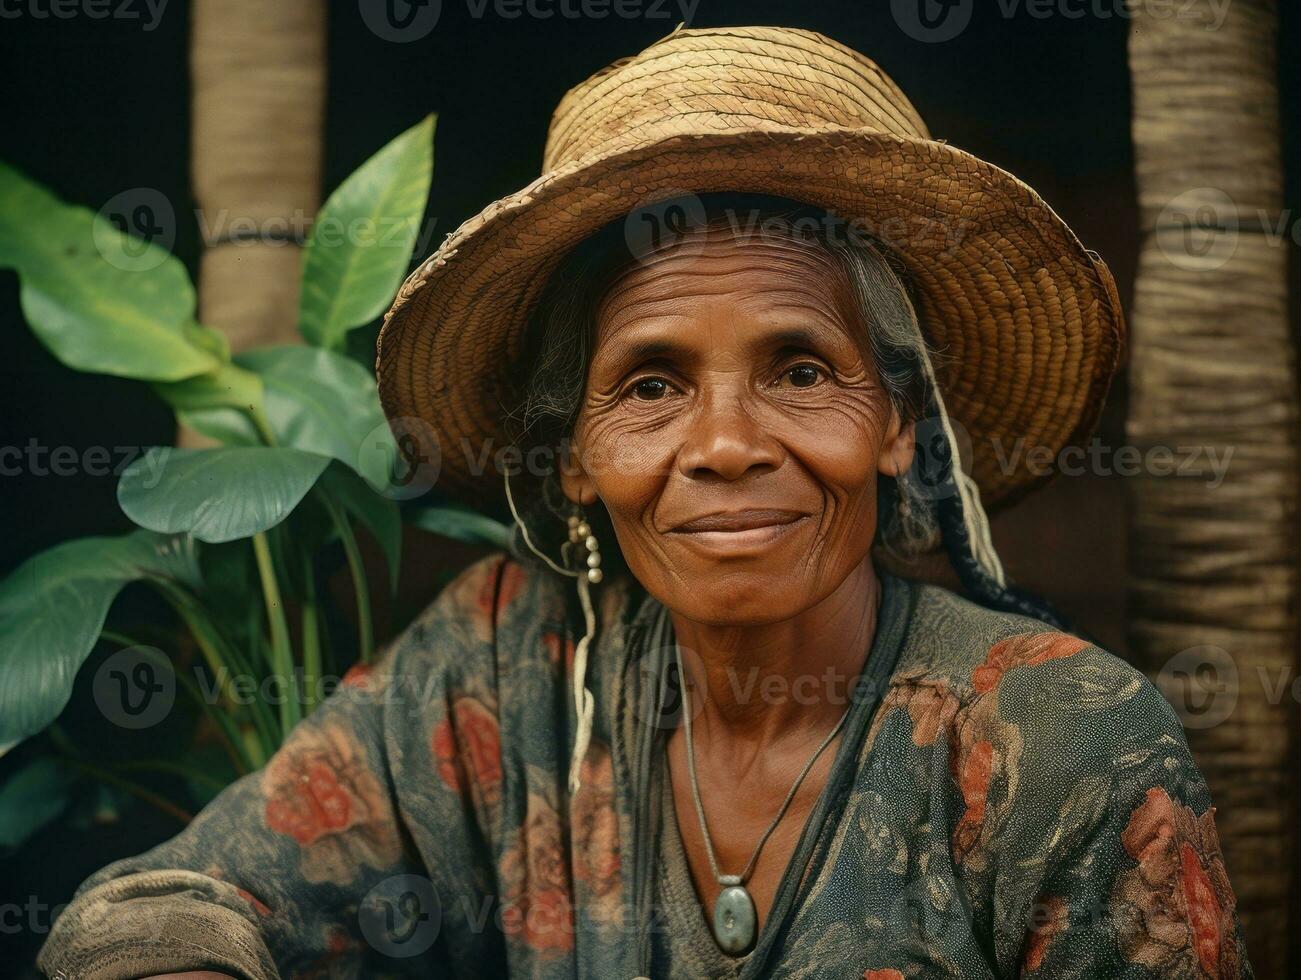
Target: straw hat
x: 1026, y: 320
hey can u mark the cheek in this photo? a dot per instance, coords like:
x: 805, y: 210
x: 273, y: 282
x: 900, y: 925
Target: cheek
x: 839, y: 442
x: 627, y: 459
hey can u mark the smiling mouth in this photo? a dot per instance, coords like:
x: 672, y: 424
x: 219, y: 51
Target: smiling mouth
x: 739, y: 529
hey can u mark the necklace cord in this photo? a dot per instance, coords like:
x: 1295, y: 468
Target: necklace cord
x: 695, y: 784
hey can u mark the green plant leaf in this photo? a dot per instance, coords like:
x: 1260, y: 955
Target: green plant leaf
x: 360, y: 245
x: 100, y: 300
x: 377, y: 513
x: 461, y: 525
x: 31, y: 798
x: 52, y: 608
x: 317, y: 401
x: 217, y: 494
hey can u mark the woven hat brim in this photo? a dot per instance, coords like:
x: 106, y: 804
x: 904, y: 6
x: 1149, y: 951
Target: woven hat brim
x: 1025, y: 321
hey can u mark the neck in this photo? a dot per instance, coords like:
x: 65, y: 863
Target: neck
x: 789, y: 678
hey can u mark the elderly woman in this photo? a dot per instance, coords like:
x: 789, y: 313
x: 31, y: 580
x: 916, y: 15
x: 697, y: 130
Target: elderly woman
x: 726, y: 345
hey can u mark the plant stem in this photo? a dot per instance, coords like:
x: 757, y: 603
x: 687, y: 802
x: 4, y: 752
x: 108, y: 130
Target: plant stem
x: 262, y: 424
x: 217, y: 652
x: 232, y: 742
x: 311, y: 638
x: 281, y: 655
x: 365, y: 633
x: 135, y: 789
x: 168, y: 766
x: 184, y: 608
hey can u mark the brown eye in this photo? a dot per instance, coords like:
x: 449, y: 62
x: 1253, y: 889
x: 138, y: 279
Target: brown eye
x: 804, y: 375
x: 650, y: 389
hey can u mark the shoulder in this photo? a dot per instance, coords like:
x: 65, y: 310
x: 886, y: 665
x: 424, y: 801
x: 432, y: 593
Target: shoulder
x: 481, y: 608
x: 500, y: 614
x: 1004, y: 678
x: 971, y: 647
x: 976, y: 652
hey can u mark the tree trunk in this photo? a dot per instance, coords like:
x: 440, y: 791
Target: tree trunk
x: 259, y: 93
x: 1213, y: 583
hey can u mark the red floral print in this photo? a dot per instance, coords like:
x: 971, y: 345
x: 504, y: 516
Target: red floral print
x: 466, y: 747
x: 332, y: 963
x: 1025, y: 650
x: 560, y: 650
x: 537, y: 904
x: 259, y: 907
x: 256, y: 905
x: 483, y: 592
x: 974, y: 769
x: 931, y: 707
x: 319, y: 792
x: 1050, y: 920
x: 1175, y: 909
x: 497, y: 592
x: 358, y: 675
x: 597, y: 856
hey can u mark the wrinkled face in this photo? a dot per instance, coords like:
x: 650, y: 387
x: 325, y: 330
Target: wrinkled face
x: 733, y: 426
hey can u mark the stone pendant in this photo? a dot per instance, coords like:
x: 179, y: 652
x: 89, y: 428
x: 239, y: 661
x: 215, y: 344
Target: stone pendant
x: 735, y: 919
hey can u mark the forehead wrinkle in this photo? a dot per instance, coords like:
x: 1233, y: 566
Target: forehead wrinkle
x: 675, y: 285
x: 692, y: 281
x: 755, y: 247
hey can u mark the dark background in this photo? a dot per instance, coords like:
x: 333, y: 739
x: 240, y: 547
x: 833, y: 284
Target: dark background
x: 96, y: 107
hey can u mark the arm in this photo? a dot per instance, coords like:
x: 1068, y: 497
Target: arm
x: 290, y: 869
x: 1097, y: 854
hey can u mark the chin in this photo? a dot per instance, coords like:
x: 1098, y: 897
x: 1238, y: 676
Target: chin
x: 731, y: 597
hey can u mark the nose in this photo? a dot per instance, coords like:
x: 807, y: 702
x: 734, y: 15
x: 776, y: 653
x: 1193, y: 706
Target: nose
x: 726, y: 440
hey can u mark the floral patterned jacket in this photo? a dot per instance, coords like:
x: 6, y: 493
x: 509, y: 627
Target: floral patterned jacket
x: 1010, y: 801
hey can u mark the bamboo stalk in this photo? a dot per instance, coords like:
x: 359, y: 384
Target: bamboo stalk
x: 1213, y: 366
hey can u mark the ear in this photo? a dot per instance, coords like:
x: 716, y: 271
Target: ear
x: 575, y: 481
x: 898, y: 447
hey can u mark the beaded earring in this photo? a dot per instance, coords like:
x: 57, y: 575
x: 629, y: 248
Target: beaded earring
x: 580, y: 534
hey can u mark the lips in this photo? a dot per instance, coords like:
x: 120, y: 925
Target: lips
x: 739, y: 534
x: 738, y: 520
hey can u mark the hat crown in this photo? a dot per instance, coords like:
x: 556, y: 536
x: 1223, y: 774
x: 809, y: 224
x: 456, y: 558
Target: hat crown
x: 713, y: 80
